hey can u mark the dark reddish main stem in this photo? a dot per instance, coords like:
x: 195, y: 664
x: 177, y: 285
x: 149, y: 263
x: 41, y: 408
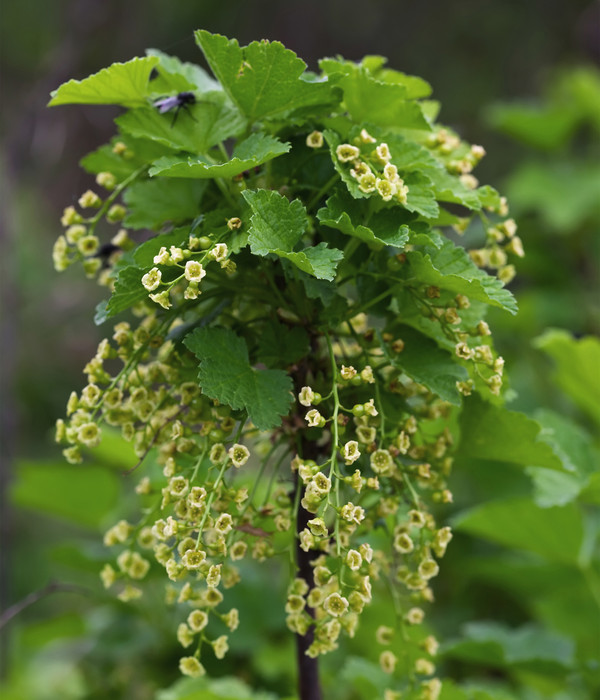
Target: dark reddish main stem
x: 309, y: 687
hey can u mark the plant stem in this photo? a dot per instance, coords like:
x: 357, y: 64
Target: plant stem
x: 309, y: 687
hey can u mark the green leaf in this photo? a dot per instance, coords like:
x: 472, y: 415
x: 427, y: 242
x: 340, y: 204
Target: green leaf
x: 200, y: 127
x: 448, y: 188
x: 428, y: 364
x: 384, y: 228
x: 276, y: 222
x: 528, y: 646
x: 577, y: 368
x: 280, y: 346
x: 371, y: 100
x: 122, y: 83
x: 564, y: 193
x: 139, y: 153
x: 154, y: 203
x: 277, y: 226
x: 318, y: 261
x: 79, y: 494
x: 255, y: 150
x: 177, y: 76
x: 546, y: 127
x: 497, y: 434
x: 579, y: 457
x: 421, y: 196
x: 128, y: 291
x: 415, y: 87
x: 449, y: 267
x: 263, y: 79
x: 227, y: 376
x: 553, y: 488
x: 227, y: 688
x: 556, y: 534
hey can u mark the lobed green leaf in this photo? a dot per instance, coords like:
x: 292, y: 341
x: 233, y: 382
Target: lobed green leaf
x: 153, y: 203
x: 125, y: 84
x: 429, y: 365
x: 254, y: 151
x: 263, y: 79
x: 450, y: 267
x: 198, y: 128
x: 384, y: 228
x: 577, y: 368
x: 227, y: 376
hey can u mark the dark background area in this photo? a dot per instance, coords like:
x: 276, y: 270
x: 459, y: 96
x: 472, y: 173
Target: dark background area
x: 473, y: 52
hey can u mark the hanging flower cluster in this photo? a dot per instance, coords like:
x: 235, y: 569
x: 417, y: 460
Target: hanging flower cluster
x: 303, y: 333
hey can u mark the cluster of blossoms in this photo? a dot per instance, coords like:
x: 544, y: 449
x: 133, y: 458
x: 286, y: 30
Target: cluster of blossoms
x: 79, y: 242
x: 371, y: 167
x: 189, y: 265
x: 379, y: 470
x: 501, y: 242
x: 196, y: 532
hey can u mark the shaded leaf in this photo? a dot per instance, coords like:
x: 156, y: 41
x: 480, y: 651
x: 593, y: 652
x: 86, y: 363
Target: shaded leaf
x: 226, y: 375
x: 495, y: 433
x: 577, y: 368
x: 154, y: 203
x: 450, y: 267
x: 495, y: 644
x: 384, y: 228
x: 280, y: 345
x: 428, y: 364
x: 254, y: 151
x: 81, y: 494
x: 553, y: 533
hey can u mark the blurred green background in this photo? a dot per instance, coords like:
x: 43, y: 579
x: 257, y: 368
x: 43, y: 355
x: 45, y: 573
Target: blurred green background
x: 522, y: 79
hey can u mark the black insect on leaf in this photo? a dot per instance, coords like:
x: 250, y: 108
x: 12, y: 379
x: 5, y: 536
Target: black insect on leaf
x: 106, y: 252
x: 183, y: 100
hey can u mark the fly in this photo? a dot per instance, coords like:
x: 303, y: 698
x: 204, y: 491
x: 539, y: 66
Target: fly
x: 183, y: 100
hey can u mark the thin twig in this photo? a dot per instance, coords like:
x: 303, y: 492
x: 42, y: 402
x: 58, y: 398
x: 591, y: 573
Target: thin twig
x: 152, y: 442
x: 53, y: 587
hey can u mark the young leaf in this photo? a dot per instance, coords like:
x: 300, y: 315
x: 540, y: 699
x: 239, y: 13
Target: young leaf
x: 382, y: 103
x: 451, y: 268
x: 254, y: 151
x: 176, y: 76
x: 276, y: 222
x: 227, y: 376
x: 122, y: 84
x: 318, y: 261
x: 276, y: 227
x: 263, y: 79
